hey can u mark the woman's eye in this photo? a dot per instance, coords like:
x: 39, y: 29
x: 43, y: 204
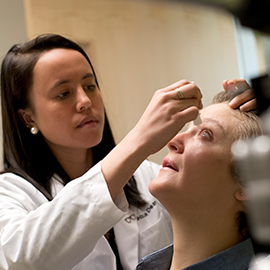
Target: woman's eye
x: 90, y: 87
x: 206, y: 134
x: 63, y: 95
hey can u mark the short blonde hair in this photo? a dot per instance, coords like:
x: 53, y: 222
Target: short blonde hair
x: 250, y: 124
x: 249, y: 127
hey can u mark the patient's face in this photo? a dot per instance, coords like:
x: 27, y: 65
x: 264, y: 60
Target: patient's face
x: 197, y: 168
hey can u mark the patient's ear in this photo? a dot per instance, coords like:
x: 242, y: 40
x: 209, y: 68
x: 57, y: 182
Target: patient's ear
x: 241, y: 194
x: 26, y: 117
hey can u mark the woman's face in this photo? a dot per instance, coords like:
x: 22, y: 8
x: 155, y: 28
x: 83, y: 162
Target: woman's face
x: 66, y: 104
x: 197, y: 168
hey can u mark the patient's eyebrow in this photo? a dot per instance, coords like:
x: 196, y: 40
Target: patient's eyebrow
x: 213, y: 121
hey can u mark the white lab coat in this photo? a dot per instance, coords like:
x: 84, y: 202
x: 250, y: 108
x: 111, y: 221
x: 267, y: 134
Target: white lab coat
x: 67, y: 233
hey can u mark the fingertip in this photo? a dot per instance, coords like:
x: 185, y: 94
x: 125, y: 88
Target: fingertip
x: 225, y: 84
x: 243, y: 108
x: 232, y: 104
x: 248, y: 106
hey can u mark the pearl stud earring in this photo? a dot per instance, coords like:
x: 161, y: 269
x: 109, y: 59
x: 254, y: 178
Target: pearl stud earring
x: 34, y: 130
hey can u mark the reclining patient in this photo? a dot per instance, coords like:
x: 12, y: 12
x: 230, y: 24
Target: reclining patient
x: 205, y: 197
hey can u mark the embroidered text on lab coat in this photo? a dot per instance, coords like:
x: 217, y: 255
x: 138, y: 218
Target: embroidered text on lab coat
x: 143, y: 215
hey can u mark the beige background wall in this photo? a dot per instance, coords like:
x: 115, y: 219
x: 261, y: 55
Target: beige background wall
x: 12, y: 30
x: 138, y: 47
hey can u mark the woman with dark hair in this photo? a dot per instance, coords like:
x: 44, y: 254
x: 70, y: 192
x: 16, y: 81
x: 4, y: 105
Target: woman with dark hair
x: 204, y: 194
x: 62, y: 204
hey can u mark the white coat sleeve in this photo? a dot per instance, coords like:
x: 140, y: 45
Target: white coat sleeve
x: 56, y: 234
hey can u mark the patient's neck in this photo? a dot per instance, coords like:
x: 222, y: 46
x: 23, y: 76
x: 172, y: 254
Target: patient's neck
x: 199, y: 237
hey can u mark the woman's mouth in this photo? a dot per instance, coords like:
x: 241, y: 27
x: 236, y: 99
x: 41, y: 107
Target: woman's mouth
x: 169, y: 164
x: 88, y: 121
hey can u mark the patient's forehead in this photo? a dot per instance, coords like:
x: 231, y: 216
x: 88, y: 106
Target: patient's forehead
x: 221, y: 112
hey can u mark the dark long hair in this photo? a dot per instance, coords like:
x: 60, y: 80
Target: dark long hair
x: 27, y: 155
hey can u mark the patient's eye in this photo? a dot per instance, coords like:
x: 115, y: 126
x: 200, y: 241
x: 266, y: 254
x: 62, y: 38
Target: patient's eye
x: 206, y: 134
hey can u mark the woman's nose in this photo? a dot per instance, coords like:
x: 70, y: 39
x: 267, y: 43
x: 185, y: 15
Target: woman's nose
x: 177, y: 143
x: 84, y: 102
